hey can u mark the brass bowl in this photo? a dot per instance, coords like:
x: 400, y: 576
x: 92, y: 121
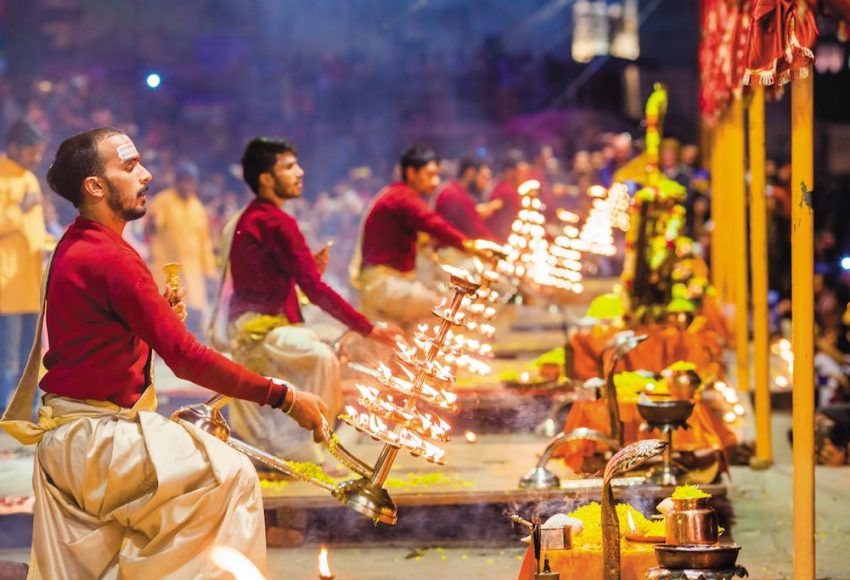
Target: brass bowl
x: 697, y: 557
x: 665, y: 412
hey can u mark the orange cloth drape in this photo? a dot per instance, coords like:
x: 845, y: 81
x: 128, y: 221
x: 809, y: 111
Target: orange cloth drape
x: 663, y: 347
x: 586, y: 564
x: 706, y: 430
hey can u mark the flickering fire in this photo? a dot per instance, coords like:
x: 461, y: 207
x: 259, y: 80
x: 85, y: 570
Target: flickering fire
x: 631, y: 521
x: 528, y: 186
x: 236, y: 563
x: 471, y: 437
x: 324, y: 568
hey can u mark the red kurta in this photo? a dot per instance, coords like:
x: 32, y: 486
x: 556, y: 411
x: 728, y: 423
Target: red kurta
x: 502, y: 219
x: 268, y: 258
x: 105, y: 314
x: 457, y: 207
x: 390, y: 229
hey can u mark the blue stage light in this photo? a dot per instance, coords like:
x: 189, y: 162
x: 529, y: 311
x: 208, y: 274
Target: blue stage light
x: 153, y: 80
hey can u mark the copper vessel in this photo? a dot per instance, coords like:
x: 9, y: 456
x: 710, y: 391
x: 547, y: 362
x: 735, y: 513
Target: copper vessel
x: 691, y: 521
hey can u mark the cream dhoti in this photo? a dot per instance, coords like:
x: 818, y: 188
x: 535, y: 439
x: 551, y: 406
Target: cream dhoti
x: 395, y: 296
x: 296, y: 354
x: 128, y: 493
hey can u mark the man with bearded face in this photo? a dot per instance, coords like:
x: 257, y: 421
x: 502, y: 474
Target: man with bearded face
x: 269, y: 261
x: 121, y: 491
x: 384, y: 263
x: 456, y: 203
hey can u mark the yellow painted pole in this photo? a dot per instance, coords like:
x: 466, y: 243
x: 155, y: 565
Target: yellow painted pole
x: 737, y: 256
x: 802, y: 328
x: 714, y: 168
x: 758, y: 260
x: 720, y: 210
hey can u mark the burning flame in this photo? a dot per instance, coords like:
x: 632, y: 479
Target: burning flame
x: 470, y: 437
x: 324, y: 568
x: 631, y: 521
x: 236, y: 563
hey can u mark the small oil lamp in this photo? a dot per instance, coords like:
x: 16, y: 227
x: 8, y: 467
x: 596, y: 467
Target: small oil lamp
x: 324, y: 568
x: 471, y: 437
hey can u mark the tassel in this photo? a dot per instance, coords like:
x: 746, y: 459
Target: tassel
x: 767, y: 78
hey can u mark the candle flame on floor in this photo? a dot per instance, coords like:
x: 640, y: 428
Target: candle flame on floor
x: 236, y: 563
x: 470, y: 437
x: 324, y: 567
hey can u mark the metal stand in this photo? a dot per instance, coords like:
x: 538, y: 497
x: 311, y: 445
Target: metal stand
x: 696, y: 574
x: 668, y: 473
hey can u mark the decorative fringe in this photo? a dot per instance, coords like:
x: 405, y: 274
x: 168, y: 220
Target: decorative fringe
x: 766, y: 78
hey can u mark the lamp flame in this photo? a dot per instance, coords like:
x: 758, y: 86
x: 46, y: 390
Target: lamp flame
x: 631, y: 521
x: 324, y: 568
x: 471, y: 437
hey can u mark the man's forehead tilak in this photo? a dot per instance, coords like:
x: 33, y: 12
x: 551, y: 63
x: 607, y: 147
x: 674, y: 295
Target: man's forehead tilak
x: 127, y: 151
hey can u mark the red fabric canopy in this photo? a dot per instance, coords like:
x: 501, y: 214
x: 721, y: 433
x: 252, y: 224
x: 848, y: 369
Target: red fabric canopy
x: 780, y: 41
x: 770, y: 41
x: 722, y: 53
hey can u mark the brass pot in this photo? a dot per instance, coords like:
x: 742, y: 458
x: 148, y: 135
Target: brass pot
x: 684, y: 384
x: 691, y: 521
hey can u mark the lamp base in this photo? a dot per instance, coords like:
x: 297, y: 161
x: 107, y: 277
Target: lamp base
x: 539, y: 478
x: 665, y: 475
x: 368, y: 499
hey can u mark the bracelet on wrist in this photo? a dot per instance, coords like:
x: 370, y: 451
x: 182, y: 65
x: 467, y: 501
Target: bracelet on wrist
x: 292, y: 404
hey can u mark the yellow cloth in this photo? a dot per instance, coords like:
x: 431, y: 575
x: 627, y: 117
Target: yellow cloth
x: 181, y: 234
x: 22, y: 240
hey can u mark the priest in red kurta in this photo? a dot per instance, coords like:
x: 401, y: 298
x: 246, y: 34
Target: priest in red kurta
x: 515, y: 171
x: 384, y: 264
x: 457, y: 201
x: 120, y: 490
x: 269, y: 261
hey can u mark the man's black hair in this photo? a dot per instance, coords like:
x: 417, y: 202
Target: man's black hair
x: 76, y: 159
x: 260, y: 156
x: 417, y: 157
x: 469, y: 162
x: 25, y: 133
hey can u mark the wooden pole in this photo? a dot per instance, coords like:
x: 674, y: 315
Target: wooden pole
x: 802, y: 333
x: 737, y: 255
x: 758, y: 260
